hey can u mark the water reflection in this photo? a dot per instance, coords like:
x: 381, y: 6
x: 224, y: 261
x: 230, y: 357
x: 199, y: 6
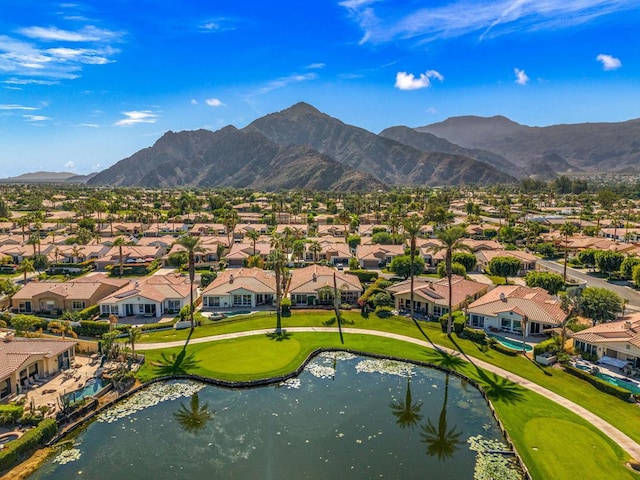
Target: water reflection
x: 441, y: 441
x: 193, y: 418
x: 406, y: 412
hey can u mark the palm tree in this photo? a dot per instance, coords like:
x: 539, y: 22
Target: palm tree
x: 406, y: 412
x: 451, y: 241
x: 134, y: 335
x: 253, y: 235
x: 120, y: 242
x: 26, y: 266
x: 441, y: 441
x: 411, y: 227
x: 277, y: 260
x: 191, y: 244
x: 315, y: 248
x: 566, y: 230
x: 193, y: 418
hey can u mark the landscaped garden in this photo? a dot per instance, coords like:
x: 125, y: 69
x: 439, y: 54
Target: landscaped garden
x: 551, y: 440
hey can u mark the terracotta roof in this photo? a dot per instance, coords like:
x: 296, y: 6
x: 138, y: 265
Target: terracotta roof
x: 625, y: 330
x: 536, y: 303
x: 252, y: 279
x: 314, y: 277
x: 18, y: 351
x: 437, y: 291
x: 156, y: 287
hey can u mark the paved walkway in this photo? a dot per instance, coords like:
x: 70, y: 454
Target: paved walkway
x: 630, y: 446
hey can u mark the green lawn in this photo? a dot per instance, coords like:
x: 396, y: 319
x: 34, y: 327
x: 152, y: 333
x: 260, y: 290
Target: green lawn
x: 554, y: 442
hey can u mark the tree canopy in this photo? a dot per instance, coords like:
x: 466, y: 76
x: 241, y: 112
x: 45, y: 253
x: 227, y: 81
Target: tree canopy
x: 504, y: 267
x: 599, y: 304
x: 551, y: 282
x: 401, y: 265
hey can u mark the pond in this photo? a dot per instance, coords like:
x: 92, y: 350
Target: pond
x: 343, y: 416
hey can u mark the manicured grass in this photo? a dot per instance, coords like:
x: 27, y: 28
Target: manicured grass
x: 622, y: 415
x: 554, y: 442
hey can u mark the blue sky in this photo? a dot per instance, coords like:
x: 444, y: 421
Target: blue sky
x: 85, y: 84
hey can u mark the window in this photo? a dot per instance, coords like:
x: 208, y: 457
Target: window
x: 243, y: 300
x: 78, y: 305
x: 211, y: 301
x: 109, y: 309
x: 173, y: 305
x: 477, y: 321
x: 505, y: 323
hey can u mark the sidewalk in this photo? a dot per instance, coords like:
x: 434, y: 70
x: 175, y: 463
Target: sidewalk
x: 626, y: 443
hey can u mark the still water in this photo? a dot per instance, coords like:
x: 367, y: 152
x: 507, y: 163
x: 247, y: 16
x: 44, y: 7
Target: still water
x: 343, y: 417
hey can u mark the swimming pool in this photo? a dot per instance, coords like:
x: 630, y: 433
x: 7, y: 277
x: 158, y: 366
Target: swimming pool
x: 93, y: 386
x: 632, y: 387
x: 512, y: 344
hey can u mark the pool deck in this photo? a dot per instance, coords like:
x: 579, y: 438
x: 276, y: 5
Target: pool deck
x: 48, y: 393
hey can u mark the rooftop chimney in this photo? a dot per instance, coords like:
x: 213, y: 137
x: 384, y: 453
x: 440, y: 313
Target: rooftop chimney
x: 231, y: 278
x: 314, y: 277
x: 502, y: 297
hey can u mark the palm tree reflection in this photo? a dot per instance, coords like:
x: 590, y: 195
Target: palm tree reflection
x: 193, y: 418
x: 406, y: 412
x: 441, y: 440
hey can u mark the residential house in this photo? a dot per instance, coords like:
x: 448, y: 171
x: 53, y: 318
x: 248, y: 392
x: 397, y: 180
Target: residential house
x: 240, y: 252
x: 25, y: 360
x: 376, y: 256
x: 152, y: 296
x: 131, y: 255
x: 243, y: 287
x: 316, y: 285
x: 619, y: 340
x: 75, y: 295
x: 431, y: 296
x: 504, y: 308
x: 332, y: 250
x: 527, y: 260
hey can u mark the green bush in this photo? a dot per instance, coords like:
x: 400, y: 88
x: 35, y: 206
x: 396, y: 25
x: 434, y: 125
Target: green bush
x: 89, y: 328
x: 90, y: 312
x: 545, y: 346
x: 383, y: 312
x: 476, y: 336
x: 13, y: 452
x: 459, y: 322
x: 502, y: 349
x: 602, y: 385
x: 10, y: 414
x: 3, y: 324
x: 365, y: 276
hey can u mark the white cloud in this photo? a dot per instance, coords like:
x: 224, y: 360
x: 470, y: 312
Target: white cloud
x: 521, y: 76
x: 12, y: 106
x: 213, y: 102
x: 408, y: 81
x: 137, y: 116
x: 316, y: 66
x: 85, y: 34
x: 70, y: 164
x: 36, y: 118
x: 609, y: 62
x: 383, y: 22
x: 89, y: 125
x: 284, y: 82
x: 432, y: 110
x: 194, y: 101
x: 221, y: 24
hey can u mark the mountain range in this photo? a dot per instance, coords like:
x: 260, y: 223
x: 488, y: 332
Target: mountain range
x: 301, y: 147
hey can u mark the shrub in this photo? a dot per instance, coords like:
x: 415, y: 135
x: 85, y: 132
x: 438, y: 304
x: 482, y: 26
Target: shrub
x: 502, y: 349
x: 13, y: 451
x: 206, y: 278
x: 285, y: 305
x: 383, y: 312
x: 90, y: 328
x: 3, y: 324
x: 600, y: 384
x: 90, y: 312
x: 10, y: 414
x: 545, y: 346
x: 365, y: 276
x: 476, y: 336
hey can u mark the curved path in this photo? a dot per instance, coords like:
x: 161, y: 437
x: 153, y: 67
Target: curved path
x: 630, y: 446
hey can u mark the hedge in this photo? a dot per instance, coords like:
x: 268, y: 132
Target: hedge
x: 502, y: 349
x: 13, y: 451
x: 90, y: 328
x: 602, y: 385
x: 10, y: 414
x: 365, y: 276
x: 477, y: 336
x: 90, y: 312
x: 544, y: 346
